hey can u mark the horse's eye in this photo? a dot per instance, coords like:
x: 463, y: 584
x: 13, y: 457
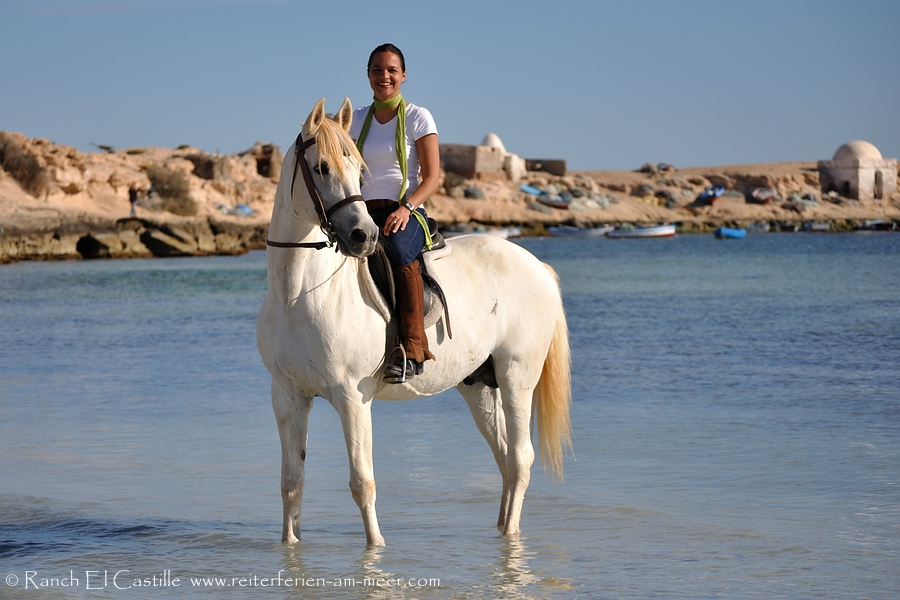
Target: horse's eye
x: 321, y: 168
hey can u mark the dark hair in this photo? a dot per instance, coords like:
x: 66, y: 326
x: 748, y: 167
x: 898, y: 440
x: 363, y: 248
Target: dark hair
x: 387, y: 48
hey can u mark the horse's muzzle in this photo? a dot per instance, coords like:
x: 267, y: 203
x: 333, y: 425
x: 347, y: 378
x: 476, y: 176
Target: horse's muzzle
x: 359, y: 243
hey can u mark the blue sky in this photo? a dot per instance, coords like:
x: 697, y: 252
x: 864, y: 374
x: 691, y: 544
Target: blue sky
x: 604, y: 85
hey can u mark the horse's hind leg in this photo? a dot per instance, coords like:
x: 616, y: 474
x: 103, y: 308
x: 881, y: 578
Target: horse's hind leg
x: 356, y: 419
x: 487, y: 410
x: 520, y: 455
x: 292, y: 415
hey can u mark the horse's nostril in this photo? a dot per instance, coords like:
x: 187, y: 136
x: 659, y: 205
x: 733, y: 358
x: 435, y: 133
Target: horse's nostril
x: 358, y: 236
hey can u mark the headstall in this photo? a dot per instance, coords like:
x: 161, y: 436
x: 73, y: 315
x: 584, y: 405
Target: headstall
x: 300, y: 147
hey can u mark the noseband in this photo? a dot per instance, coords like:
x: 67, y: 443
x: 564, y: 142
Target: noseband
x: 300, y: 146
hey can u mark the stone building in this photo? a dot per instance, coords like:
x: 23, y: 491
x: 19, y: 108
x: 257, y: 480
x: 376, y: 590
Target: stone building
x: 473, y: 162
x: 490, y: 161
x: 858, y: 170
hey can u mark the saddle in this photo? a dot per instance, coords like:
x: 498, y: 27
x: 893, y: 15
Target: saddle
x: 382, y: 280
x: 378, y: 279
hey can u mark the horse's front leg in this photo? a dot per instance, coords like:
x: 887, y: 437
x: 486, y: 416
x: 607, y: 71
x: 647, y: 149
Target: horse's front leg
x: 356, y: 419
x: 292, y: 415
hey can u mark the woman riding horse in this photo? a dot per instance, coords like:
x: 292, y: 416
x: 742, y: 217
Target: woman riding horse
x: 399, y: 142
x: 508, y: 316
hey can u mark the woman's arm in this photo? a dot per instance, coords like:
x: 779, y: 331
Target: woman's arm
x: 430, y: 169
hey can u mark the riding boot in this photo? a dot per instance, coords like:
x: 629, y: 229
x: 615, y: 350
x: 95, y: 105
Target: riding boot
x: 411, y: 309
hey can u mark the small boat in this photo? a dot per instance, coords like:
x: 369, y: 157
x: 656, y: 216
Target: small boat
x: 732, y: 233
x: 643, y: 232
x: 711, y: 193
x: 555, y: 202
x: 764, y: 195
x: 506, y: 232
x: 816, y: 226
x: 530, y: 189
x: 546, y: 198
x: 241, y: 210
x: 503, y: 232
x: 877, y: 225
x: 570, y: 231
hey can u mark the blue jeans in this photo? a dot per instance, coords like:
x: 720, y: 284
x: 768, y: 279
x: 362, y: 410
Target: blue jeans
x: 404, y: 246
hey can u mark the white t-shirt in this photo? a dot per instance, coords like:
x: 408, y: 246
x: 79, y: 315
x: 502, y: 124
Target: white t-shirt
x: 383, y: 179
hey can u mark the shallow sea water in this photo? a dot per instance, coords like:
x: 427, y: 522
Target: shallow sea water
x: 736, y: 424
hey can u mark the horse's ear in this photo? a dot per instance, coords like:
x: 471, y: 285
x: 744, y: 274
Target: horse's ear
x: 314, y: 120
x: 345, y: 115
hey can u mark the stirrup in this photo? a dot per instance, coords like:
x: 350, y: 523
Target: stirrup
x: 402, y: 368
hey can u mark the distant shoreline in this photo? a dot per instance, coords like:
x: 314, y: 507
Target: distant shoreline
x: 79, y: 206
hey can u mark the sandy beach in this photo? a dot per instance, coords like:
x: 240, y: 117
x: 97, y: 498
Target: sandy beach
x: 79, y: 207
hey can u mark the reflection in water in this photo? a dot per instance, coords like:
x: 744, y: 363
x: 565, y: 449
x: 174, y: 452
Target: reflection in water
x: 515, y: 578
x: 369, y: 561
x: 365, y: 578
x: 294, y: 566
x: 373, y: 576
x: 514, y: 573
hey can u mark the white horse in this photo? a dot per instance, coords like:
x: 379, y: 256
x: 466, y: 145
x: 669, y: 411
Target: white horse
x: 321, y: 332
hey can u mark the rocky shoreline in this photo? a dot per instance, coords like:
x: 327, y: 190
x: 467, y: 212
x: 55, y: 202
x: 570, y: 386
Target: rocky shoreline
x: 131, y: 237
x: 57, y: 203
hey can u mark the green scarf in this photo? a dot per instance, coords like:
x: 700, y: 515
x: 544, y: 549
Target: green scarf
x: 395, y: 102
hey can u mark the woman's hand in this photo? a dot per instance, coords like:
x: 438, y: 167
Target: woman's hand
x: 397, y: 220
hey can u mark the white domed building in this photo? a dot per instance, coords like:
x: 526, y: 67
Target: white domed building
x: 858, y: 170
x: 492, y: 140
x: 513, y: 164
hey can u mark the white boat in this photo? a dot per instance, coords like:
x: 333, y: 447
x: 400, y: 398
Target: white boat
x: 505, y: 232
x: 643, y: 232
x: 570, y: 231
x: 817, y: 226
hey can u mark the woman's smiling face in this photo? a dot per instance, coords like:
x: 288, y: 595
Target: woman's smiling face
x: 385, y: 75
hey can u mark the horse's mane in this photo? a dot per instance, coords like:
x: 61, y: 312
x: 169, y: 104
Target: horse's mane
x: 333, y: 144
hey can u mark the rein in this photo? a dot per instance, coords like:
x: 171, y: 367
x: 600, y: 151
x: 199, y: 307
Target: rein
x: 300, y: 146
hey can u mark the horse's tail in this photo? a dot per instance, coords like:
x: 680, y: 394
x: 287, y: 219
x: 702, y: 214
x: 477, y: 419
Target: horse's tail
x: 554, y: 393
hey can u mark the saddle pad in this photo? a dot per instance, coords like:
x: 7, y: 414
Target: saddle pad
x: 435, y: 311
x: 367, y: 282
x: 434, y: 308
x: 433, y: 255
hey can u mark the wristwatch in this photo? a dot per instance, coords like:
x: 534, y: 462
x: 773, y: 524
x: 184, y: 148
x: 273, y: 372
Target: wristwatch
x: 409, y: 206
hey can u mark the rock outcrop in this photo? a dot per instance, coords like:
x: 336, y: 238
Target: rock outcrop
x: 131, y: 238
x: 81, y: 208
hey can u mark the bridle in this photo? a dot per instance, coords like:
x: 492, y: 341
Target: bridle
x: 300, y: 146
